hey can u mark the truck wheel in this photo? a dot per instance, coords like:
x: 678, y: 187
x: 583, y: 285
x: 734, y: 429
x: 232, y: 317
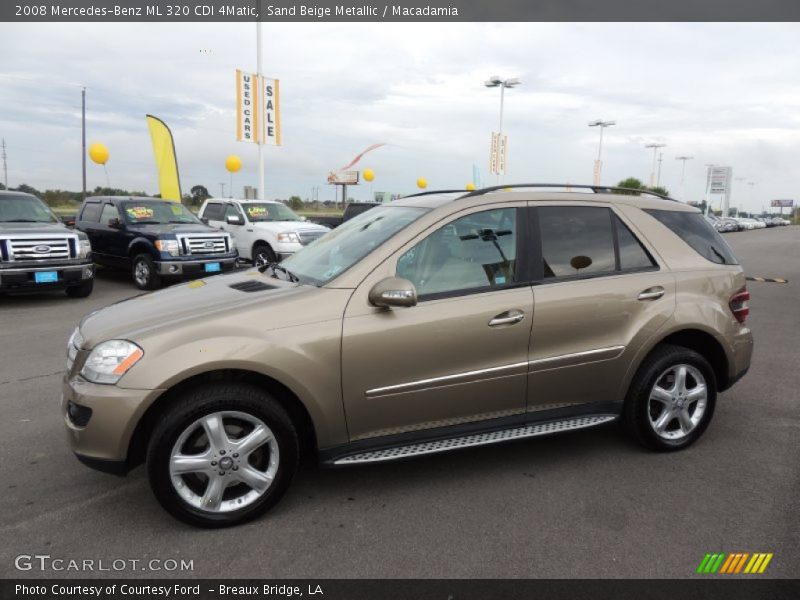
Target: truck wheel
x: 82, y: 290
x: 263, y: 254
x: 144, y: 273
x: 222, y: 454
x: 671, y: 399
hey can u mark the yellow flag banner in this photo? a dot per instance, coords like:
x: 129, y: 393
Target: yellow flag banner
x: 166, y: 162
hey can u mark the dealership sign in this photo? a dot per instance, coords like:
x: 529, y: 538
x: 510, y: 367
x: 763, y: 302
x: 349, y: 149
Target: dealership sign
x: 720, y: 179
x: 782, y: 203
x: 498, y: 153
x: 258, y: 117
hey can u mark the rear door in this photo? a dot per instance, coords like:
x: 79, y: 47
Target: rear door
x: 600, y: 293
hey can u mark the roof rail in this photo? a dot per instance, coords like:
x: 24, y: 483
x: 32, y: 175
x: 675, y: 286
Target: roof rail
x: 429, y: 192
x: 597, y: 189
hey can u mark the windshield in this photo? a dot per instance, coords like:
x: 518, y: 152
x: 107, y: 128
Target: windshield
x: 157, y: 212
x: 337, y: 251
x: 25, y: 209
x: 269, y: 211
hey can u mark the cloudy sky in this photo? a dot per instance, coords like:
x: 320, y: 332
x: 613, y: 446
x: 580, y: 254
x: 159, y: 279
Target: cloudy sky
x: 723, y: 93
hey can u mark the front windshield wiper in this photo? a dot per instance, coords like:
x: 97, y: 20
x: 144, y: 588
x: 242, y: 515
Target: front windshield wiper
x: 182, y: 222
x: 276, y: 268
x: 25, y: 221
x: 148, y: 222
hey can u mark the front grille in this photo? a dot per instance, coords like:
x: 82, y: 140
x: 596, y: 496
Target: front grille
x: 39, y: 248
x: 204, y: 244
x: 308, y: 236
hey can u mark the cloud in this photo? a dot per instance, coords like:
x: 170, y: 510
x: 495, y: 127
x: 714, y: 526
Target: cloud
x: 723, y: 93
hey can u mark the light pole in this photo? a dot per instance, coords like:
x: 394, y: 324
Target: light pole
x: 598, y: 164
x: 683, y: 159
x: 495, y: 81
x: 752, y: 184
x: 655, y: 148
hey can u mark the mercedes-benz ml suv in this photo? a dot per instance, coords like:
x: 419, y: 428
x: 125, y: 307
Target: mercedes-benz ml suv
x: 433, y: 323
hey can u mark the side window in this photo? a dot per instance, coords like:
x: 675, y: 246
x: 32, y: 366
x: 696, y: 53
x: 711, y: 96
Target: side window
x: 693, y: 229
x: 109, y: 212
x: 632, y: 254
x: 474, y: 252
x: 232, y: 211
x: 576, y: 240
x: 214, y: 211
x: 91, y: 212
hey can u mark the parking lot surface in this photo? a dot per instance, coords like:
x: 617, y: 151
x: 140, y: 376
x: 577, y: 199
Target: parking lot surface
x: 584, y: 504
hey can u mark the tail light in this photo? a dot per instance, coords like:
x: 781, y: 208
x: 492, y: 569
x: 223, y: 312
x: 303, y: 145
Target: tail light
x: 740, y: 305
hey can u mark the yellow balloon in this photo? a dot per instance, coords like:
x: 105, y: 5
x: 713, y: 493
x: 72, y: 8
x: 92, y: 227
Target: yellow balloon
x: 233, y: 163
x: 422, y: 183
x: 470, y: 187
x: 98, y: 153
x: 369, y: 174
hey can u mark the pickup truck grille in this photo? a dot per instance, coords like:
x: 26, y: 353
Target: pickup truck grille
x: 204, y: 244
x: 308, y: 236
x: 44, y: 247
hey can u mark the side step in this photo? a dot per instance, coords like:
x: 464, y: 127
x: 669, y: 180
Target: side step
x: 474, y: 439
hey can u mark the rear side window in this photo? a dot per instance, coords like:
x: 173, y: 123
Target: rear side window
x: 91, y: 212
x: 693, y: 229
x: 214, y: 211
x: 579, y: 241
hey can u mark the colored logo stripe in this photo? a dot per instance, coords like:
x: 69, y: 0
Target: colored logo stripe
x: 734, y: 563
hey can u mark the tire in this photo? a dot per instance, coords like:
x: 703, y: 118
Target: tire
x: 660, y: 413
x: 242, y: 409
x: 263, y: 253
x: 82, y: 290
x: 144, y: 274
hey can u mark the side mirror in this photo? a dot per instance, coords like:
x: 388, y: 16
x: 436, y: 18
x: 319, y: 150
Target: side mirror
x: 115, y: 223
x: 393, y: 291
x: 233, y: 220
x: 204, y: 221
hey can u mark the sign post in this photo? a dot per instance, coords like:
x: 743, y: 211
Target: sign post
x: 720, y: 183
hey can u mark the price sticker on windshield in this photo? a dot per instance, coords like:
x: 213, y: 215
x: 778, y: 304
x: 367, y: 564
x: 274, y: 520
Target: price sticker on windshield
x: 257, y: 211
x: 139, y: 212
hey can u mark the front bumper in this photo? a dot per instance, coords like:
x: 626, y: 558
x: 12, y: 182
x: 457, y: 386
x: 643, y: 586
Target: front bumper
x: 103, y: 438
x: 194, y: 267
x: 24, y: 278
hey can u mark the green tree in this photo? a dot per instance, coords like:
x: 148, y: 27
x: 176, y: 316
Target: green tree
x: 199, y: 194
x: 24, y: 187
x: 296, y: 203
x: 631, y: 183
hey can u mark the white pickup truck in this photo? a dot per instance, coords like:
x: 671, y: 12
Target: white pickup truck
x: 263, y: 230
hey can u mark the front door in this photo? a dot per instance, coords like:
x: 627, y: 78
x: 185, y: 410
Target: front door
x: 460, y: 354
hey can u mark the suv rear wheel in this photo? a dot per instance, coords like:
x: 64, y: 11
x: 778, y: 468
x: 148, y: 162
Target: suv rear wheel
x: 223, y: 454
x: 671, y: 399
x: 144, y: 273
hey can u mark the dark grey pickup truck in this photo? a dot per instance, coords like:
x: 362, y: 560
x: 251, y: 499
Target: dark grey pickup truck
x: 38, y: 252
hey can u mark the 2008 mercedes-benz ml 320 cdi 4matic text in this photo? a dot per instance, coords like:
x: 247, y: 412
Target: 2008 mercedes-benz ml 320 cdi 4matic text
x: 432, y: 323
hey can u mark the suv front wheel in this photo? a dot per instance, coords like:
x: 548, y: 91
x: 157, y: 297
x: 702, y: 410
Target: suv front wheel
x: 671, y: 399
x: 222, y: 454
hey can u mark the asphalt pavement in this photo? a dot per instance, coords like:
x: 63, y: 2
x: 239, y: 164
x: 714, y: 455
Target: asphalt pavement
x: 584, y: 504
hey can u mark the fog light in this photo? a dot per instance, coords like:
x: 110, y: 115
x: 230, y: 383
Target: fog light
x: 87, y: 273
x: 173, y: 268
x: 79, y: 415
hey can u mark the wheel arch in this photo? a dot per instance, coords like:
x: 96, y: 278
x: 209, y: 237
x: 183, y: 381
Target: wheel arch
x: 298, y: 413
x: 141, y: 246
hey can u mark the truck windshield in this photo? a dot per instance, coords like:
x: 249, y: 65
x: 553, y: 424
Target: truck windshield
x: 157, y: 212
x: 337, y: 251
x: 25, y: 209
x: 269, y: 211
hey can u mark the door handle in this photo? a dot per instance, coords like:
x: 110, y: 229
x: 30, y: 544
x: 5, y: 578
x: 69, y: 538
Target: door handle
x: 507, y: 318
x: 653, y: 293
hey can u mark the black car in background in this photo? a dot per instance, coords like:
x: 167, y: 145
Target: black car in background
x: 155, y: 239
x: 38, y: 252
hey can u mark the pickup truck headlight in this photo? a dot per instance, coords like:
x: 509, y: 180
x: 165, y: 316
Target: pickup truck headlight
x: 289, y: 237
x: 111, y: 360
x: 84, y: 248
x: 171, y: 247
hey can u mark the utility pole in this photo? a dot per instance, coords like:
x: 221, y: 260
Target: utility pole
x: 261, y: 191
x: 655, y: 148
x: 598, y: 164
x: 683, y: 173
x: 660, y: 160
x: 5, y: 165
x: 221, y: 189
x: 83, y: 138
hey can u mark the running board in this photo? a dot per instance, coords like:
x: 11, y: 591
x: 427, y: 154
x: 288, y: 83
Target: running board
x: 474, y: 439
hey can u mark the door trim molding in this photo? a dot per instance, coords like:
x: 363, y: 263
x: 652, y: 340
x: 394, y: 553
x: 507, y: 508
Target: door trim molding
x: 576, y: 358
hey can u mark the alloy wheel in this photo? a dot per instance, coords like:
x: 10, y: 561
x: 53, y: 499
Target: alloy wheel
x: 677, y: 402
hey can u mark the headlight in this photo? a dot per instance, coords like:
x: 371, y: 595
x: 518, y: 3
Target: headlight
x: 73, y: 345
x: 171, y: 247
x: 111, y: 360
x: 289, y: 237
x: 84, y: 248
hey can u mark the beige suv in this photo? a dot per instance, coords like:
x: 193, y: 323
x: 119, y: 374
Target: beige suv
x: 433, y: 323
